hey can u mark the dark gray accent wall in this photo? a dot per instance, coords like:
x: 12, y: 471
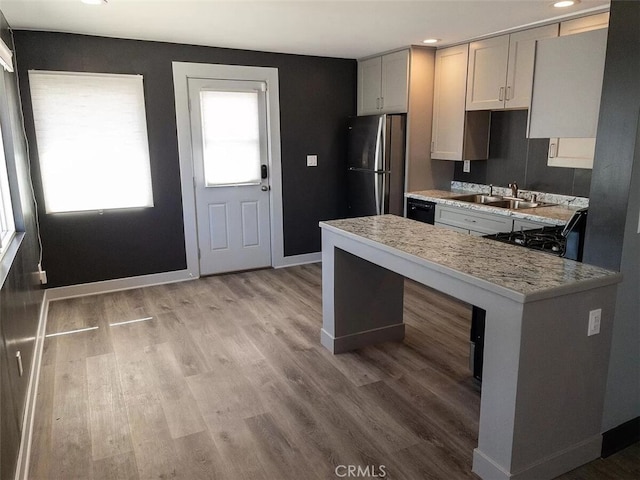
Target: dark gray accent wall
x: 20, y: 295
x: 513, y: 157
x: 612, y: 236
x: 316, y: 96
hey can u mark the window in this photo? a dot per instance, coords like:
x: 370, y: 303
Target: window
x: 231, y: 137
x: 7, y: 226
x: 91, y: 134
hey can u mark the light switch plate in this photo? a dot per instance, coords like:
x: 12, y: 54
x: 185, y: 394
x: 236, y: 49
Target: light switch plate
x: 312, y: 160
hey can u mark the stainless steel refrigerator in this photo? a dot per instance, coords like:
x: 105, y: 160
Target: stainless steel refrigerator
x: 375, y: 168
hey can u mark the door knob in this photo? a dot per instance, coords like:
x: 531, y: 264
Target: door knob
x: 265, y: 188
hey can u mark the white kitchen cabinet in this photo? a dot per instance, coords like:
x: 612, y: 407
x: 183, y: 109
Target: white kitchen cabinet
x: 383, y: 84
x: 584, y: 24
x: 522, y: 50
x: 571, y: 152
x: 369, y: 85
x: 519, y: 224
x: 577, y: 152
x: 473, y: 221
x: 456, y: 134
x: 567, y: 85
x: 500, y: 70
x: 487, y: 73
x: 451, y: 227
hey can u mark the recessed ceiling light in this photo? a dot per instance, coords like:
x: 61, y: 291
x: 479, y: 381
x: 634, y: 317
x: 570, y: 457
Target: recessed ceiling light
x: 94, y: 2
x: 565, y: 3
x: 431, y: 40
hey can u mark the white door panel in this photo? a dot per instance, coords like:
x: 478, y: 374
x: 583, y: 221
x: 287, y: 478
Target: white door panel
x: 229, y: 144
x: 218, y: 235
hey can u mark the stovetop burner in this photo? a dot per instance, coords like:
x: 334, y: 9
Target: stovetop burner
x: 546, y: 239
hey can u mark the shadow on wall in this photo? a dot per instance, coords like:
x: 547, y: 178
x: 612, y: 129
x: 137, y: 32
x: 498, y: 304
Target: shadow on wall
x: 513, y: 157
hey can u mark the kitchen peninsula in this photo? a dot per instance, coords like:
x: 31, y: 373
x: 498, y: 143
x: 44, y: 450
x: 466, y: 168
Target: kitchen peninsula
x: 544, y: 377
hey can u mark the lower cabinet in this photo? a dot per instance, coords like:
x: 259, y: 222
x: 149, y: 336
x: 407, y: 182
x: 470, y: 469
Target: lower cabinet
x: 471, y: 221
x: 519, y: 224
x: 478, y: 223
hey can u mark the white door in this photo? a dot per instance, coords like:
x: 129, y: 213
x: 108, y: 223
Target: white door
x: 231, y: 166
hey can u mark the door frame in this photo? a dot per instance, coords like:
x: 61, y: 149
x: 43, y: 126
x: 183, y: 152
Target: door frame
x: 182, y: 71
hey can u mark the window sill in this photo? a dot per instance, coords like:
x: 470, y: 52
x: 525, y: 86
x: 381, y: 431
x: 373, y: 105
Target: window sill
x: 9, y: 256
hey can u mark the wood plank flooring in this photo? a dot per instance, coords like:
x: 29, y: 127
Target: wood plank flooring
x: 225, y: 378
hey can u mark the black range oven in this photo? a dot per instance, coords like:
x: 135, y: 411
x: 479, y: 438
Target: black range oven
x: 564, y: 241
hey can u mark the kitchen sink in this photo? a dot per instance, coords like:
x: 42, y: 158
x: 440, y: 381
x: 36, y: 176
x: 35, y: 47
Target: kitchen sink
x: 516, y: 203
x: 501, y: 202
x: 478, y: 198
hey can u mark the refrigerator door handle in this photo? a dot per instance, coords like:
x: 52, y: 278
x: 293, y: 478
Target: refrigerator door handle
x: 378, y: 186
x: 378, y: 165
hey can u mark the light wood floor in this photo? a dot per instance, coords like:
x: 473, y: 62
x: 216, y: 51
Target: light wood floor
x: 225, y: 378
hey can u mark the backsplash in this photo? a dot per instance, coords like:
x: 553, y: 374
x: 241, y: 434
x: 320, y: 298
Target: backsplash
x: 513, y: 157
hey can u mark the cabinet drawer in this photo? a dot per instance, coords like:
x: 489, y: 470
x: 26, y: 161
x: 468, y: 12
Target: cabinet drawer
x: 528, y: 225
x: 449, y: 227
x: 471, y: 220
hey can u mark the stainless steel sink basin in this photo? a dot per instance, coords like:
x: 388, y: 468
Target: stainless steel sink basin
x: 477, y: 198
x: 515, y: 204
x: 498, y: 201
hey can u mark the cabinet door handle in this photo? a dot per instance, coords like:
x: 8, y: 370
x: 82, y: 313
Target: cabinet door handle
x: 501, y: 94
x: 381, y: 103
x: 508, y: 93
x: 552, y: 150
x: 470, y: 220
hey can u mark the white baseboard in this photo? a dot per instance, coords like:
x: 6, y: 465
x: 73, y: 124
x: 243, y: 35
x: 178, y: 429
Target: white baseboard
x: 24, y: 453
x: 303, y: 259
x: 106, y: 286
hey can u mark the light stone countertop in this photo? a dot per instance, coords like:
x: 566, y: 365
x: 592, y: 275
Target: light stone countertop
x: 553, y: 215
x: 527, y: 273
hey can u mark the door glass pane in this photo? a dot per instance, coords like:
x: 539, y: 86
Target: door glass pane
x: 230, y: 137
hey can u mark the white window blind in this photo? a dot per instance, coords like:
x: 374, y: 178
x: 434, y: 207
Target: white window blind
x: 91, y: 134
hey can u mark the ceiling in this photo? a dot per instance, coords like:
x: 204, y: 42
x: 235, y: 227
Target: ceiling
x: 347, y: 28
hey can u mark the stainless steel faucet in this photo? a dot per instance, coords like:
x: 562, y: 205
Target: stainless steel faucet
x: 514, y: 189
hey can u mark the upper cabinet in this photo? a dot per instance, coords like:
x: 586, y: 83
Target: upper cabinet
x: 568, y: 84
x: 383, y: 84
x: 487, y: 73
x: 456, y: 135
x: 500, y: 69
x: 568, y: 80
x: 576, y: 151
x: 585, y: 24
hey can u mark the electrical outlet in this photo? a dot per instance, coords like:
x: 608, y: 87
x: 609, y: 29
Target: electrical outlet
x: 43, y: 277
x: 466, y: 166
x: 312, y: 160
x: 595, y: 316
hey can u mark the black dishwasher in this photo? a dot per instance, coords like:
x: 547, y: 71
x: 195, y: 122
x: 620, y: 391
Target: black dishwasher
x: 421, y: 210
